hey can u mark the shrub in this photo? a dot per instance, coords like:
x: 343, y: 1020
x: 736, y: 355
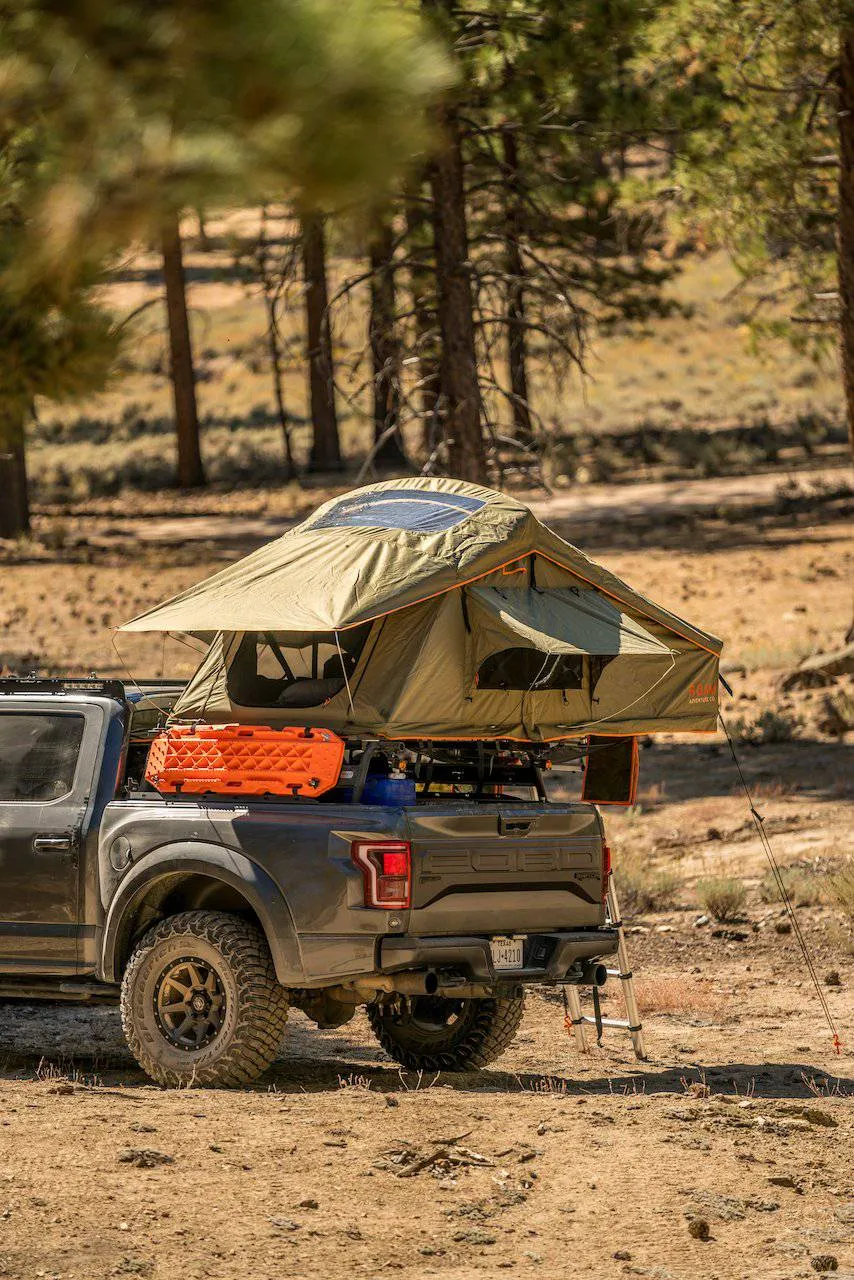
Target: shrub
x: 722, y: 896
x: 805, y: 888
x: 642, y: 888
x: 769, y: 727
x: 841, y: 890
x: 840, y: 938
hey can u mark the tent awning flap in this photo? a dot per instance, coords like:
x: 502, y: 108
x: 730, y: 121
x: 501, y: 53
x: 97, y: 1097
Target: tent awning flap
x: 559, y: 620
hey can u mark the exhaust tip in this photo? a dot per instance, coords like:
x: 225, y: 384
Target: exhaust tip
x: 431, y: 984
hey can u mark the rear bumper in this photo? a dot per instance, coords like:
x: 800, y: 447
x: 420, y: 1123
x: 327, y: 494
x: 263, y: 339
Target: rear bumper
x: 549, y: 957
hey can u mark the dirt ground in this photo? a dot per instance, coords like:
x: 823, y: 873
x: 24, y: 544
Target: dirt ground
x: 552, y: 1163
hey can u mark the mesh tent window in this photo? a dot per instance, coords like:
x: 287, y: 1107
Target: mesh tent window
x: 281, y: 669
x: 521, y: 670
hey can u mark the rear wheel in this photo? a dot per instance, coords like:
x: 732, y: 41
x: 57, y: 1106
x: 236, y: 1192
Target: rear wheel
x: 435, y: 1033
x: 200, y: 1001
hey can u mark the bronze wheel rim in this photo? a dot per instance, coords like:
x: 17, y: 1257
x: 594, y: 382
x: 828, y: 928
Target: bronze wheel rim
x: 189, y: 1003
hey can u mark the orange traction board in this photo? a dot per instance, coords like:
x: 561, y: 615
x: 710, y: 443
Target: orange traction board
x: 238, y: 759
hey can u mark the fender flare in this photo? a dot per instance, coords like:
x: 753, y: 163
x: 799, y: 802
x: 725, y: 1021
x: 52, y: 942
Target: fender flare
x: 252, y: 882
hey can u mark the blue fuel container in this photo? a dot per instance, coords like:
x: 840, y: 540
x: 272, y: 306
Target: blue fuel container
x: 395, y: 793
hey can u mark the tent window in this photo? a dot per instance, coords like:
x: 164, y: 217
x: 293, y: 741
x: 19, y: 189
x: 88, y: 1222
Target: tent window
x: 268, y: 670
x: 530, y: 669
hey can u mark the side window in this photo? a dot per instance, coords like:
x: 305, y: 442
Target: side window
x: 529, y: 669
x: 38, y: 755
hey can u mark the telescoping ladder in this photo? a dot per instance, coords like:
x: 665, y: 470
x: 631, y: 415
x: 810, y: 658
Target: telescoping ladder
x: 631, y: 1022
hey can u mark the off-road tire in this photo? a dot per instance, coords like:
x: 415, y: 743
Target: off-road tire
x: 255, y: 1005
x: 481, y: 1033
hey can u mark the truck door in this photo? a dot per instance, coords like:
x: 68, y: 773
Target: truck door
x: 47, y: 759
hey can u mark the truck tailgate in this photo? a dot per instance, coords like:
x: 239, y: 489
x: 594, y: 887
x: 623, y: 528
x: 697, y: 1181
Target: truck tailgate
x: 505, y: 868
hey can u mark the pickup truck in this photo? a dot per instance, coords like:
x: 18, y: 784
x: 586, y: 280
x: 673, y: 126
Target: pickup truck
x: 208, y: 917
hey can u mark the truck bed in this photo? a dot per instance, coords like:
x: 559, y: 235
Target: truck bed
x: 478, y: 870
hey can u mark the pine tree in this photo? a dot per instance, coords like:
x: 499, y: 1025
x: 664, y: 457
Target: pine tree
x: 460, y: 401
x: 520, y: 244
x: 171, y: 106
x: 326, y: 446
x: 53, y: 341
x: 761, y: 97
x: 190, y: 470
x: 559, y: 252
x: 426, y: 356
x: 384, y: 343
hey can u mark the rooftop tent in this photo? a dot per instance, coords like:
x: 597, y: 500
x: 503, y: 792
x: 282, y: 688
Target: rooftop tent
x: 435, y: 608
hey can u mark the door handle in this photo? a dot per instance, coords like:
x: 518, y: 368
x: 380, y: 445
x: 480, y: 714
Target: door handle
x: 515, y: 827
x: 52, y: 844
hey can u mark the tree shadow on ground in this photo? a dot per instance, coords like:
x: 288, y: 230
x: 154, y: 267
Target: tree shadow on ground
x: 781, y: 521
x: 808, y: 769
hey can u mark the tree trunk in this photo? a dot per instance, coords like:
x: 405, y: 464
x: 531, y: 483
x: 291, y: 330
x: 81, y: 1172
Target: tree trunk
x: 385, y: 348
x: 278, y: 389
x: 517, y: 337
x: 14, y: 491
x: 326, y: 446
x: 422, y: 284
x: 845, y: 230
x: 190, y: 470
x: 460, y: 387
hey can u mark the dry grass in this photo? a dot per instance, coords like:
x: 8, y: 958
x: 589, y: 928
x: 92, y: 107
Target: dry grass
x: 805, y: 887
x: 722, y: 897
x: 841, y: 890
x: 687, y: 995
x: 840, y: 938
x: 642, y: 888
x: 773, y: 789
x: 652, y: 796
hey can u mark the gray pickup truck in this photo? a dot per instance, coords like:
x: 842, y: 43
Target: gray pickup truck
x: 207, y: 917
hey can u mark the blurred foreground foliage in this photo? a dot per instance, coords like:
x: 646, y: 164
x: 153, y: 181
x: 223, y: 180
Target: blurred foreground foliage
x: 141, y: 106
x: 115, y: 114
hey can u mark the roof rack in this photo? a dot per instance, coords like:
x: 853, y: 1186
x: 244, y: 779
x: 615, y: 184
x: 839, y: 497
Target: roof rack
x: 123, y: 690
x: 57, y: 685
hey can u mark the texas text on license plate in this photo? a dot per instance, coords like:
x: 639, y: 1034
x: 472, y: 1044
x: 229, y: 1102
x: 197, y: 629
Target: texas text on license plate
x: 508, y: 953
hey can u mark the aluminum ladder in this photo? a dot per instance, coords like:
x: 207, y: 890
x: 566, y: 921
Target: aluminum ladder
x: 631, y: 1022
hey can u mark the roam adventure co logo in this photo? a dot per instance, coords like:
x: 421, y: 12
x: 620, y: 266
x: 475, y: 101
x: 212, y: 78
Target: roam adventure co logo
x: 698, y: 692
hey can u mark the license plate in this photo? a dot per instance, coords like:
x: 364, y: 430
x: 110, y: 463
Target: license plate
x: 508, y: 953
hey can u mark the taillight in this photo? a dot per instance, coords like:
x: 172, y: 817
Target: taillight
x: 386, y: 868
x: 606, y: 869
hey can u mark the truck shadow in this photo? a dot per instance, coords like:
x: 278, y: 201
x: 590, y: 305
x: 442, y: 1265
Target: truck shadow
x: 54, y: 1045
x: 117, y: 1073
x: 796, y: 1080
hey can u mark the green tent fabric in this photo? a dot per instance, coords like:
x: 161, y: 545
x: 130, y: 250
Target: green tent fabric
x: 376, y: 615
